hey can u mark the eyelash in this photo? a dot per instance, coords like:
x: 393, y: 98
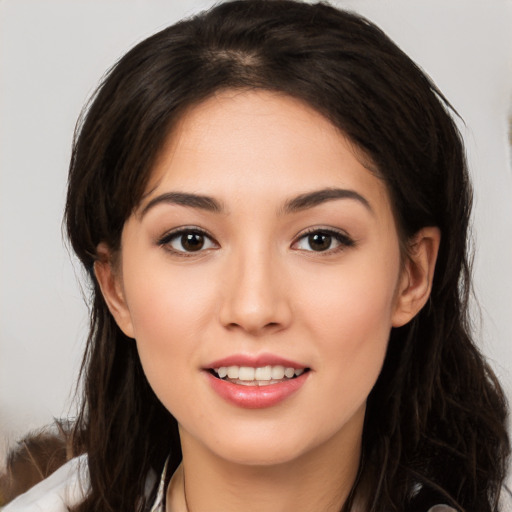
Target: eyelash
x: 165, y: 241
x: 341, y: 238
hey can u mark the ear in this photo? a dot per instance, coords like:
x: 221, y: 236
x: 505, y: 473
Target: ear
x: 417, y: 275
x: 109, y: 278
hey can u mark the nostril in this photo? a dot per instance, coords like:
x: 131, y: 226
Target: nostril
x: 254, y: 327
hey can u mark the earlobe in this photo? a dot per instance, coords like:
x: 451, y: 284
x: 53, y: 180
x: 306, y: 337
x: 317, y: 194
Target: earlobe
x: 110, y: 284
x: 417, y: 275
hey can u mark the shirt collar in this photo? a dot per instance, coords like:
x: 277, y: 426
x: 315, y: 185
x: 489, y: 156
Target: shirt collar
x: 175, y: 501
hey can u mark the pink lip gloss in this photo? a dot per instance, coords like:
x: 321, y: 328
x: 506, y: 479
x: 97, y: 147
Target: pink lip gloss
x: 255, y: 396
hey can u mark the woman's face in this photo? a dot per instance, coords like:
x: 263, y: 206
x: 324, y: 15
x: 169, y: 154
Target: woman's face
x: 262, y: 241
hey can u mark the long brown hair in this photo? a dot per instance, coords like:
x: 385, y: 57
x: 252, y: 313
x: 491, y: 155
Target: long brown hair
x: 435, y: 425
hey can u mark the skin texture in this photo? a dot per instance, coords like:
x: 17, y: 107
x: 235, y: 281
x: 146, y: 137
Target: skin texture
x: 258, y: 287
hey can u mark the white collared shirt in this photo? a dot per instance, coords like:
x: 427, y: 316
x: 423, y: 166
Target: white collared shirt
x: 67, y: 487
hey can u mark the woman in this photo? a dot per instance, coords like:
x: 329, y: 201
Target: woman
x: 272, y: 203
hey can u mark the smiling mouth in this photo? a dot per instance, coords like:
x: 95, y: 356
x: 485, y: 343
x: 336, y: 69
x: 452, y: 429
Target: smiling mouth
x: 261, y: 376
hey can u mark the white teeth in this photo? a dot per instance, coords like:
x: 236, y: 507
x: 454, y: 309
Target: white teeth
x: 246, y: 373
x: 255, y: 382
x: 260, y: 376
x: 289, y: 372
x: 264, y: 373
x: 233, y: 372
x: 277, y: 372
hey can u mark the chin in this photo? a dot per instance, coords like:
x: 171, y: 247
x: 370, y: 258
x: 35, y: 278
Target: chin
x: 258, y: 456
x: 269, y: 447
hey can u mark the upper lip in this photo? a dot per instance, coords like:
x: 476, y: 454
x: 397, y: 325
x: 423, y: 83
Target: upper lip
x: 255, y: 361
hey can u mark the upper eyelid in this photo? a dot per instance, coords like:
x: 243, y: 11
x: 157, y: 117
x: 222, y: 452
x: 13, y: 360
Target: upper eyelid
x: 343, y: 238
x: 185, y: 229
x: 321, y: 229
x: 169, y: 235
x: 165, y: 242
x: 166, y: 238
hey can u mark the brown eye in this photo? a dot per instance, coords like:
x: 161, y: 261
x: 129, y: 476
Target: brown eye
x: 185, y: 241
x: 320, y: 241
x: 323, y: 240
x: 192, y: 241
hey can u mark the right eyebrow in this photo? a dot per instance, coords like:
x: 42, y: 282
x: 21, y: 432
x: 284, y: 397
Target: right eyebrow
x: 184, y: 199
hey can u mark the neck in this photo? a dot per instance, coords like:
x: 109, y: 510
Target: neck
x: 318, y: 480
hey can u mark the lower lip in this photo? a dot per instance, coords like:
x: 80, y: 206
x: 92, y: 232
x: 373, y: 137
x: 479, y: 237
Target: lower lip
x: 256, y: 397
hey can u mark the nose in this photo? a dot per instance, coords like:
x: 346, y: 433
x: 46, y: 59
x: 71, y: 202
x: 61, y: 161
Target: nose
x: 255, y: 298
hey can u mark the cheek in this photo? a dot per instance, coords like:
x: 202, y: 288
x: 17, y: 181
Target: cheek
x: 350, y: 316
x: 358, y: 299
x: 354, y: 337
x: 168, y: 310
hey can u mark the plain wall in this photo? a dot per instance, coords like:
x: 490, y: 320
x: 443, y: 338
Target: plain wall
x: 52, y: 55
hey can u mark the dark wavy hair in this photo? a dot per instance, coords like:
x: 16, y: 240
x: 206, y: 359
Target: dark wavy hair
x: 435, y: 423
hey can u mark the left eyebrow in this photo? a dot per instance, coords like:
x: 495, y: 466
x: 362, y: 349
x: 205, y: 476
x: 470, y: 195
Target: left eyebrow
x: 315, y: 198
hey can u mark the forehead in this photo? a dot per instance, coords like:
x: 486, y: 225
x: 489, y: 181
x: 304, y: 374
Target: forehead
x: 240, y: 143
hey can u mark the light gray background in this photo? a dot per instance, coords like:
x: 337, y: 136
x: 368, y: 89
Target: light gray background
x: 52, y: 55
